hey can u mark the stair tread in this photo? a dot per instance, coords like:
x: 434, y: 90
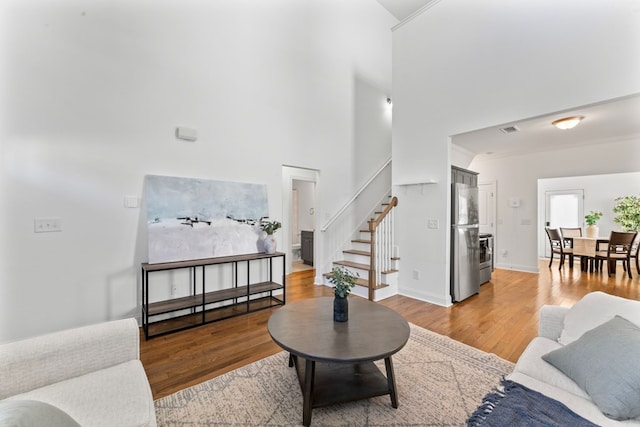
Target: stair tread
x: 361, y: 241
x: 357, y: 252
x: 352, y: 264
x: 364, y: 283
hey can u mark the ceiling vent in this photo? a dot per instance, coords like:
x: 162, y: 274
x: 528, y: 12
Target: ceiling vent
x: 509, y: 129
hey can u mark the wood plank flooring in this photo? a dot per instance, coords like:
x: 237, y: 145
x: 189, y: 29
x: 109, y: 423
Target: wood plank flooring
x: 501, y: 319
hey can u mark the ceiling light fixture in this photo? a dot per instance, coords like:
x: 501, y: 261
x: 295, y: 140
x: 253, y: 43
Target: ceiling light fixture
x: 567, y: 122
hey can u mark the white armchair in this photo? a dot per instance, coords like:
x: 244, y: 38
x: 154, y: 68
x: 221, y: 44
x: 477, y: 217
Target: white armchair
x: 92, y: 373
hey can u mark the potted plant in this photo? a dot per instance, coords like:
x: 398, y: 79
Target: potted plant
x: 343, y: 280
x: 270, y: 227
x: 592, y: 219
x: 627, y: 210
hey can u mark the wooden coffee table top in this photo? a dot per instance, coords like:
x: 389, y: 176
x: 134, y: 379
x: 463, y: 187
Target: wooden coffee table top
x: 306, y: 328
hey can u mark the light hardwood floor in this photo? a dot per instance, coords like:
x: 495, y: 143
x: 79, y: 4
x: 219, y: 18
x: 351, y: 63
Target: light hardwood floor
x: 501, y: 319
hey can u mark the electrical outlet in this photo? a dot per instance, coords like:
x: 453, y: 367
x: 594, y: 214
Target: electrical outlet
x: 47, y: 225
x: 433, y: 223
x: 416, y: 275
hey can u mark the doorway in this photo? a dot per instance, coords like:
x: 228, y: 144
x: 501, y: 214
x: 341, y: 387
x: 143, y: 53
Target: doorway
x: 299, y: 207
x: 303, y: 222
x: 563, y: 208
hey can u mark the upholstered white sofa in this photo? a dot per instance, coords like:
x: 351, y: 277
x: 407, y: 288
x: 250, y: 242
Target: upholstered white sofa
x: 597, y: 343
x: 91, y: 375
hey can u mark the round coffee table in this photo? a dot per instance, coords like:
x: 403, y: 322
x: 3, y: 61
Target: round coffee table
x: 334, y: 360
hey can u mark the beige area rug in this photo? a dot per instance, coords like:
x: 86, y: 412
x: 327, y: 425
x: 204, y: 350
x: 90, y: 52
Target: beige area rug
x: 440, y: 382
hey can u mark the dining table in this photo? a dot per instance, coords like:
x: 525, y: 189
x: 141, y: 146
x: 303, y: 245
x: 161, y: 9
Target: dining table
x: 585, y: 248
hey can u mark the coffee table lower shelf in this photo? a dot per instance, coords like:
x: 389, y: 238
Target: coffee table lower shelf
x: 331, y: 383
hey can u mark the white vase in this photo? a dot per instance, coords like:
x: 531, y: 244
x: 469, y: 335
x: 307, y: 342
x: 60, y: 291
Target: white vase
x: 269, y: 244
x: 591, y: 231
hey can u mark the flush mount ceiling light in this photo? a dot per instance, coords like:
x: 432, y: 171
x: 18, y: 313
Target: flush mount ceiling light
x: 567, y: 122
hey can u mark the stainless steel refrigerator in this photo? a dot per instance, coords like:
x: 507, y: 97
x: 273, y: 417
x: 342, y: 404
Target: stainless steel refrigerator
x: 465, y: 244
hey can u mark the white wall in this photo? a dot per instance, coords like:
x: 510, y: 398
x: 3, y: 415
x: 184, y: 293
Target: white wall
x: 92, y: 93
x: 463, y: 65
x: 524, y: 177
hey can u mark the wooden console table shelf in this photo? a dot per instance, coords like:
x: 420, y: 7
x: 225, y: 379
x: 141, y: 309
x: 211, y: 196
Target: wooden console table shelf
x: 203, y: 306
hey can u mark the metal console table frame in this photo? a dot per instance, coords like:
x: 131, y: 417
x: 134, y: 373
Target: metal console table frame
x: 199, y: 305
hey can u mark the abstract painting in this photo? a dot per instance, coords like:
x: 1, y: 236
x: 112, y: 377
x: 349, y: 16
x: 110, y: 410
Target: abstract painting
x: 190, y: 219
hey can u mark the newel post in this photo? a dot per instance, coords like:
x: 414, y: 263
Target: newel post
x: 372, y: 262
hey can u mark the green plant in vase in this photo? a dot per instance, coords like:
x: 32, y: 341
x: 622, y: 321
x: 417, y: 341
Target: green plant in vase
x: 270, y: 227
x: 343, y: 281
x: 593, y: 217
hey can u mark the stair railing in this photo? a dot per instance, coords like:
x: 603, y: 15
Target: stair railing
x: 382, y: 239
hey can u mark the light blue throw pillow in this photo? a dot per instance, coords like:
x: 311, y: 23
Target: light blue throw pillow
x: 605, y: 363
x: 32, y: 413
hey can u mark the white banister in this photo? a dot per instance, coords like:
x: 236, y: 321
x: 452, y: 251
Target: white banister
x: 381, y: 229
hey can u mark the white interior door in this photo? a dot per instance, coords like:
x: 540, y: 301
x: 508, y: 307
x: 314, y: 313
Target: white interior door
x: 487, y: 207
x: 563, y: 208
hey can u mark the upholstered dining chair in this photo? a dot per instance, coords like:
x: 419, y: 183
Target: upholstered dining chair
x: 568, y: 233
x: 557, y: 247
x: 618, y: 249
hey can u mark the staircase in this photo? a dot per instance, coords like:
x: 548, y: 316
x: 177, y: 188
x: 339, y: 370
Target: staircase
x: 371, y: 257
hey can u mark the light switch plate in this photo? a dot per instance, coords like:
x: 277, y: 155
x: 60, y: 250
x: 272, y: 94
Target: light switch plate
x: 131, y: 202
x: 186, y: 134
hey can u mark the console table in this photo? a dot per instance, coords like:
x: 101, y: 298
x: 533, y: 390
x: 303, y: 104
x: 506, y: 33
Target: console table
x: 230, y: 292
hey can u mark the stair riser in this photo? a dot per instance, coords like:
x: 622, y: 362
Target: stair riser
x: 360, y: 259
x: 365, y: 235
x: 390, y: 279
x: 360, y: 246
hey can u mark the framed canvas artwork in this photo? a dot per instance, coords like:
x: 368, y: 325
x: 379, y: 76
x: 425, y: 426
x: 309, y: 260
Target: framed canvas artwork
x: 190, y: 218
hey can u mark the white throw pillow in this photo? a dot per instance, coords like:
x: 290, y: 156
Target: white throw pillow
x: 593, y: 310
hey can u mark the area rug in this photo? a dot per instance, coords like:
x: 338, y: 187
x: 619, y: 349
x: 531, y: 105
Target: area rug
x: 440, y: 382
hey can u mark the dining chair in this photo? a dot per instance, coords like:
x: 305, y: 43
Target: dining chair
x: 618, y: 249
x: 557, y: 247
x: 568, y: 233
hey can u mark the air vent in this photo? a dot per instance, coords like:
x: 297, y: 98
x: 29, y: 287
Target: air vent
x: 509, y: 129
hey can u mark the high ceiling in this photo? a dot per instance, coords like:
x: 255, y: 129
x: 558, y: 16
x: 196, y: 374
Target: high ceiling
x: 607, y: 121
x: 604, y: 122
x: 401, y: 9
